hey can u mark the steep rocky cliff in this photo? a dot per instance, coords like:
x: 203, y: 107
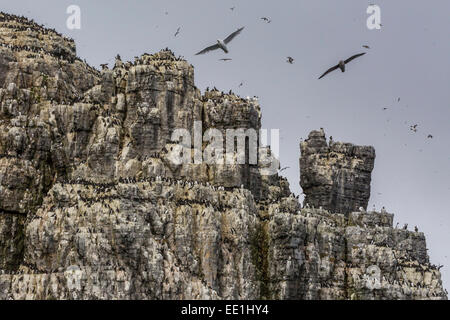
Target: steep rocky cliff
x: 92, y: 207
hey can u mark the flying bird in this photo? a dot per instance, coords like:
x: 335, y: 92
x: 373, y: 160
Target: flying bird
x: 290, y: 60
x: 225, y: 59
x: 366, y: 46
x: 285, y: 168
x: 413, y: 128
x: 341, y: 64
x: 266, y: 19
x: 241, y: 84
x: 222, y: 44
x: 232, y: 8
x: 178, y: 32
x: 430, y: 136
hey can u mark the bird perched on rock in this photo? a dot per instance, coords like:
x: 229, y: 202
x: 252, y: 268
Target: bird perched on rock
x: 416, y: 229
x: 222, y: 44
x: 341, y: 64
x: 119, y: 62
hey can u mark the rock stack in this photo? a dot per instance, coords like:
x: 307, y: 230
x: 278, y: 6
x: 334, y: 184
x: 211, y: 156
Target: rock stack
x: 335, y: 175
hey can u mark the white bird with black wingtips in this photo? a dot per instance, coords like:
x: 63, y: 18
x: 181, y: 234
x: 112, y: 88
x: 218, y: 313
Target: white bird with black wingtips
x: 222, y: 44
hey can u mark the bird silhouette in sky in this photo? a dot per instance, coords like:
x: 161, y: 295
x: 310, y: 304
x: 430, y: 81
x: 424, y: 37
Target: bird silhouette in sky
x: 341, y: 64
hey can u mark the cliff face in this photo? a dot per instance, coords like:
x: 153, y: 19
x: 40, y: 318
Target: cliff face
x: 92, y: 207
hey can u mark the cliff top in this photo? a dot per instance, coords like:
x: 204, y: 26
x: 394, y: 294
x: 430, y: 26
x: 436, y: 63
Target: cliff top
x: 317, y: 143
x: 23, y: 35
x: 18, y: 22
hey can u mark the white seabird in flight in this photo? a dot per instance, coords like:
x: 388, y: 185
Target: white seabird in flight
x: 341, y: 64
x: 222, y: 44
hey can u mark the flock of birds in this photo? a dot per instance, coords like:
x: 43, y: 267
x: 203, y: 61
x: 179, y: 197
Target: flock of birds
x: 23, y: 24
x: 341, y: 65
x: 222, y: 44
x: 103, y: 188
x: 108, y: 191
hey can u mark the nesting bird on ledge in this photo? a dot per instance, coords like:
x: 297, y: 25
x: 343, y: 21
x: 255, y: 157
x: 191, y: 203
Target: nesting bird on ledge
x: 341, y: 64
x: 222, y: 44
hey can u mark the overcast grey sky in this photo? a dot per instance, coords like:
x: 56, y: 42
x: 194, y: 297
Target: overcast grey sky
x: 409, y: 58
